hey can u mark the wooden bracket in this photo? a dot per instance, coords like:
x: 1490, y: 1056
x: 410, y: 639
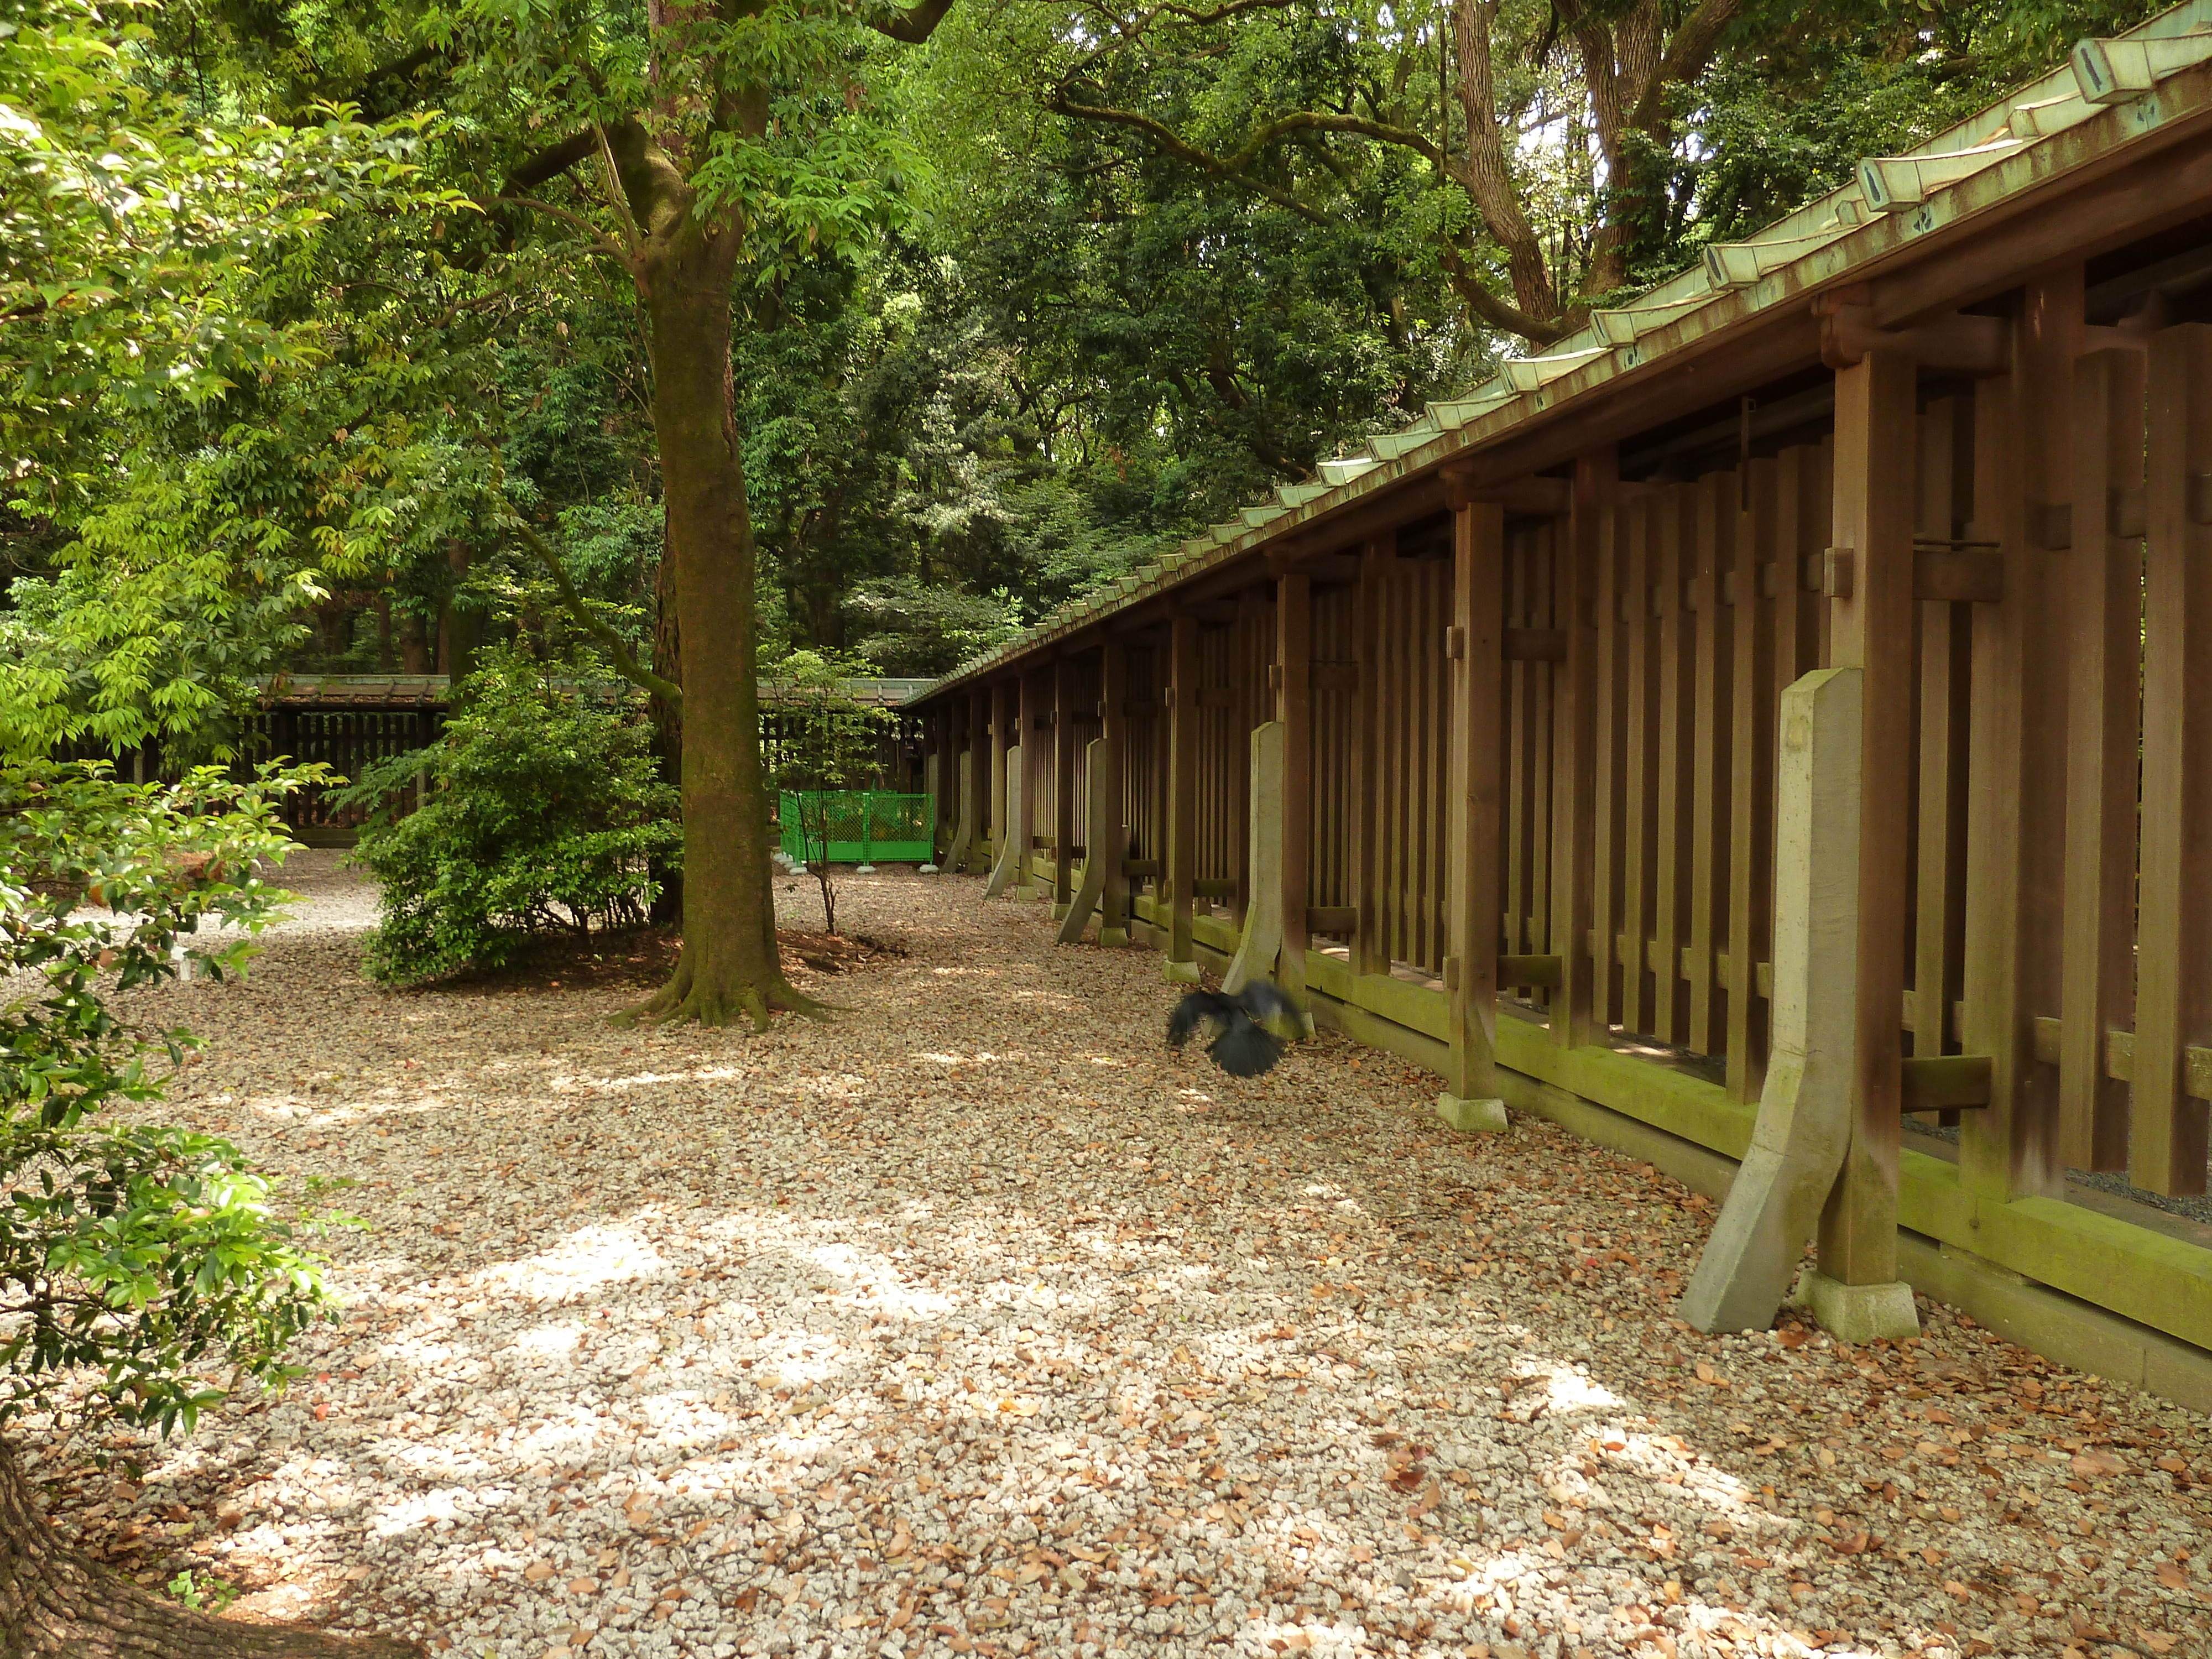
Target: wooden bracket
x: 1836, y: 573
x: 1140, y: 867
x: 1214, y: 887
x: 1539, y: 496
x: 1537, y: 971
x: 1961, y: 575
x: 1534, y: 645
x: 1943, y: 1083
x: 1962, y: 344
x: 1454, y: 643
x: 1451, y: 973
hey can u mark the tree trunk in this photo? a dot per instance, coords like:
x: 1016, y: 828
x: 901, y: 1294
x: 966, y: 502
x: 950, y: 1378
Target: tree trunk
x: 57, y: 1604
x: 728, y: 967
x: 667, y: 719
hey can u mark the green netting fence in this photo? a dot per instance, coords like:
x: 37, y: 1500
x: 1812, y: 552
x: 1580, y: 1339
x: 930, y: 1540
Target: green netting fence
x: 862, y: 826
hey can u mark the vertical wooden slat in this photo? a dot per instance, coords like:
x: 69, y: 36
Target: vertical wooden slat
x: 1294, y: 708
x: 2015, y: 869
x: 1945, y: 656
x: 2105, y: 603
x: 1674, y: 785
x: 1180, y: 857
x: 1399, y: 707
x: 1760, y: 548
x: 1514, y: 734
x: 1470, y: 926
x: 1872, y: 631
x: 2173, y: 996
x: 1580, y: 736
x: 1609, y: 744
x: 1545, y: 549
x: 1064, y: 757
x: 1642, y: 845
x: 1714, y: 553
x: 1113, y: 727
x: 1370, y: 950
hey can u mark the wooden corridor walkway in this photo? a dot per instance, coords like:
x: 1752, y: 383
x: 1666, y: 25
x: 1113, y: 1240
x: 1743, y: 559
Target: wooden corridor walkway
x: 1476, y: 737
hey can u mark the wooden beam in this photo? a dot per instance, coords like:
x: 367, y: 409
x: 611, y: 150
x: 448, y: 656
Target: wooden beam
x: 2015, y: 877
x: 1537, y: 972
x: 1114, y: 696
x: 1944, y: 1083
x: 1872, y: 631
x: 1578, y: 1016
x: 1753, y: 692
x: 1472, y: 811
x: 1063, y: 786
x: 2173, y: 992
x: 1342, y: 920
x: 1368, y: 642
x: 1181, y: 851
x: 1957, y: 576
x: 1535, y: 645
x: 2102, y: 585
x: 1535, y: 497
x: 1294, y: 709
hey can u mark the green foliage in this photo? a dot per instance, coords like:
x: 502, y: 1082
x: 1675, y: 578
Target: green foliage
x: 544, y: 811
x: 205, y: 1594
x: 151, y: 1257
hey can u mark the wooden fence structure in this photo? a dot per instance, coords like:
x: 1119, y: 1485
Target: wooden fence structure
x: 1949, y: 428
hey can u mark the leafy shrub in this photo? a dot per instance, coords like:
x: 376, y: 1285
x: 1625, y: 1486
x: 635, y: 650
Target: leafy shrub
x: 150, y: 1257
x: 544, y: 813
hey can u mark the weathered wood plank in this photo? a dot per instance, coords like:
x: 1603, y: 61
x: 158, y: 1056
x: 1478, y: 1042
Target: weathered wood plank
x: 2173, y: 991
x: 2103, y: 586
x: 1472, y: 816
x: 1578, y: 756
x: 1675, y: 788
x: 1294, y: 708
x: 1872, y: 631
x: 1638, y: 791
x: 1713, y: 554
x: 1064, y: 755
x: 1608, y: 749
x: 1945, y: 648
x: 2015, y: 871
x: 1751, y: 775
x: 1370, y: 947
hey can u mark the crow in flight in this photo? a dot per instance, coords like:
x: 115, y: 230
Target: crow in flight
x: 1245, y: 1046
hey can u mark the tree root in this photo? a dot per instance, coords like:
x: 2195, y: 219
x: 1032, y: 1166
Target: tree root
x: 57, y: 1604
x: 686, y: 1000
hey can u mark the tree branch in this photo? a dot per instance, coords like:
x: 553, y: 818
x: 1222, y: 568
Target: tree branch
x: 1204, y: 161
x: 601, y: 242
x: 1489, y: 173
x: 1498, y: 312
x: 549, y: 163
x: 625, y: 660
x: 1685, y: 57
x: 916, y: 24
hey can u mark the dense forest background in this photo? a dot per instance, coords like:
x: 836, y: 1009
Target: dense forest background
x: 1107, y: 275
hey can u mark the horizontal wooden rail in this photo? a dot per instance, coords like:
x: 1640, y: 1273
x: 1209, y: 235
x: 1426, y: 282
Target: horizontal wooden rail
x: 1542, y: 971
x: 1332, y: 919
x: 1942, y: 1083
x: 1140, y: 867
x: 1214, y: 887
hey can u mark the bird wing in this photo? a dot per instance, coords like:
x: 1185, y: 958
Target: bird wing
x: 1195, y: 1011
x: 1266, y: 1002
x: 1243, y: 1049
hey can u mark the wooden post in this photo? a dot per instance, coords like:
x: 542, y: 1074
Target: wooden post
x: 1114, y: 714
x: 1099, y: 822
x: 982, y: 744
x: 1033, y: 708
x: 1477, y: 663
x: 1370, y: 645
x: 2105, y: 603
x: 1945, y: 655
x: 1294, y: 709
x: 1871, y: 630
x: 1013, y: 846
x: 1063, y: 787
x: 1714, y: 552
x: 1180, y: 862
x: 2015, y: 869
x: 1751, y: 745
x: 2174, y: 999
x: 1004, y: 704
x: 1577, y: 1001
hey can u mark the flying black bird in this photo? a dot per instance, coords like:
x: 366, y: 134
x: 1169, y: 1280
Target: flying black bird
x: 1245, y: 1048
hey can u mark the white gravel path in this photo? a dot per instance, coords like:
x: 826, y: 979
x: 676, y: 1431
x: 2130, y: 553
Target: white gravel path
x: 974, y: 1322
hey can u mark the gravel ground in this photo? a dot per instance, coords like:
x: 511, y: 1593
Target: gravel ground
x: 974, y: 1322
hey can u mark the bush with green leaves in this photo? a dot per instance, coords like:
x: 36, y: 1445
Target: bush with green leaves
x: 545, y: 812
x: 152, y: 1259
